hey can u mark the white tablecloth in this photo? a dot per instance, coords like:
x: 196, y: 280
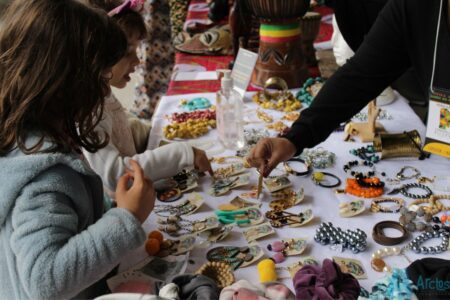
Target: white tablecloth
x: 322, y: 200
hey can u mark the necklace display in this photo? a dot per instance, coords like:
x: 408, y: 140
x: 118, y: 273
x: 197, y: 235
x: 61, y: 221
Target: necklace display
x: 188, y: 130
x: 195, y: 104
x: 281, y: 101
x: 194, y: 115
x: 309, y: 90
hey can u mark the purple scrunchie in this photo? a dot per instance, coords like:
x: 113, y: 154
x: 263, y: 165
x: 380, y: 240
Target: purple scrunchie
x: 326, y: 283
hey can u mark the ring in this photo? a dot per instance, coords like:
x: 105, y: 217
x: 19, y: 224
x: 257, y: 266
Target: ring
x: 274, y: 81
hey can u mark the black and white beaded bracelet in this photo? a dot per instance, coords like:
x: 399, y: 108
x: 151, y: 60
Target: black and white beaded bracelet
x: 404, y: 191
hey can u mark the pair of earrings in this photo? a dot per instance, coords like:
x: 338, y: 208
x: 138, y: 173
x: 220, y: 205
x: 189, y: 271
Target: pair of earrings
x: 287, y: 248
x: 284, y: 218
x: 177, y: 226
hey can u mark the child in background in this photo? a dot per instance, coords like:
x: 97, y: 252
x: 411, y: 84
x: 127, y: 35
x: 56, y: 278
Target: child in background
x: 111, y: 161
x: 56, y: 241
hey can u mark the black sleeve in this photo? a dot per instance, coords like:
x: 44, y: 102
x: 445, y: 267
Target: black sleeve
x: 381, y: 59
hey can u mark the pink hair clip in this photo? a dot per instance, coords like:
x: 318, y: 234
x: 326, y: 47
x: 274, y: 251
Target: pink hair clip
x: 135, y: 5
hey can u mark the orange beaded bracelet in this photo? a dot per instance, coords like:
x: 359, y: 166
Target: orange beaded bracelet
x: 353, y: 188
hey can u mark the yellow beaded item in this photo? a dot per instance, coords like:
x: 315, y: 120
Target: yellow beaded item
x: 291, y: 117
x: 277, y: 126
x: 263, y: 116
x: 189, y: 129
x: 281, y: 101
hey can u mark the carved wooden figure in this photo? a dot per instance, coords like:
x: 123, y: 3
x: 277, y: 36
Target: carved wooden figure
x: 365, y: 131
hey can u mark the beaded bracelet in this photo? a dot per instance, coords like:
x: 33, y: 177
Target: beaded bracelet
x: 289, y: 169
x: 354, y: 189
x: 376, y: 207
x: 354, y: 163
x: 414, y: 245
x: 373, y: 182
x: 404, y: 191
x: 377, y: 262
x: 434, y: 207
x: 363, y: 153
x: 402, y: 176
x: 441, y: 197
x: 318, y: 178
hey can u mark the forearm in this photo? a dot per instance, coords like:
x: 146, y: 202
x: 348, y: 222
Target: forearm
x: 56, y: 261
x: 165, y: 161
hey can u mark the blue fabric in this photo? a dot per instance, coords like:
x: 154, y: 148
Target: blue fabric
x: 54, y: 241
x: 396, y: 285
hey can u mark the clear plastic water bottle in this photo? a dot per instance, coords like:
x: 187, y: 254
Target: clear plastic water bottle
x: 229, y: 114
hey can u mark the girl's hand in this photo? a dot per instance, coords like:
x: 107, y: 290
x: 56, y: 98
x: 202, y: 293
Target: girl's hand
x: 139, y: 199
x: 201, y: 161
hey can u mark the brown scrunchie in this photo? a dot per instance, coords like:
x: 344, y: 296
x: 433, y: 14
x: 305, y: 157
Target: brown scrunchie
x: 326, y: 283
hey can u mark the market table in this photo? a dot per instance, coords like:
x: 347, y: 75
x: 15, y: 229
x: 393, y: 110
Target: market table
x: 322, y: 201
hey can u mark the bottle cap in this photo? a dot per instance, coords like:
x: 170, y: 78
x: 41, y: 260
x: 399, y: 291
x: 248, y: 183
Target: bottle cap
x: 226, y: 81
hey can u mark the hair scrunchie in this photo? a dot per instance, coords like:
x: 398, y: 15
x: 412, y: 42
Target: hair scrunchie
x: 326, y: 283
